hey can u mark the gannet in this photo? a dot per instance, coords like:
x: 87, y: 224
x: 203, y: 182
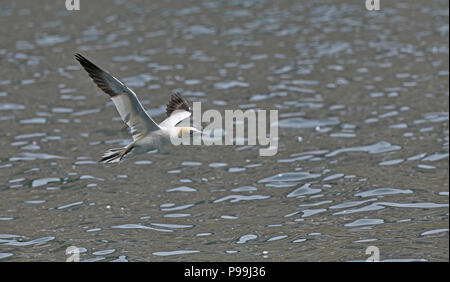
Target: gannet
x: 147, y: 134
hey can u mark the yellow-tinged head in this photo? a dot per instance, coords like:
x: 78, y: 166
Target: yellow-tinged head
x: 187, y: 131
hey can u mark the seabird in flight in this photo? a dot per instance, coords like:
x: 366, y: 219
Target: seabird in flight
x: 147, y: 134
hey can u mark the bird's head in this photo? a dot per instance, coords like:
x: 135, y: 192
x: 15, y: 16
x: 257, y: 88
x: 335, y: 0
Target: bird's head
x: 188, y: 131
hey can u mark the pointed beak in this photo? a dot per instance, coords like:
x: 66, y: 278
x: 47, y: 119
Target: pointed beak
x: 201, y: 132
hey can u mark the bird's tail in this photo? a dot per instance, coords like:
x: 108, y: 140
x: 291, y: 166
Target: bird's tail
x: 114, y: 155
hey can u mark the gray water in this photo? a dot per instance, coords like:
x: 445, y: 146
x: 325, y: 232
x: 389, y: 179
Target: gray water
x: 363, y: 131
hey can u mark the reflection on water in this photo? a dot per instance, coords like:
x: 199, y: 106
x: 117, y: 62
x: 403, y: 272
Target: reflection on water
x: 363, y: 127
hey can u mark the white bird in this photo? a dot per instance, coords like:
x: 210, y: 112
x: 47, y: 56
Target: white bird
x: 147, y: 135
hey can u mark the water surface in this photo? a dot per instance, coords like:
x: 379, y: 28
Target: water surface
x: 363, y: 126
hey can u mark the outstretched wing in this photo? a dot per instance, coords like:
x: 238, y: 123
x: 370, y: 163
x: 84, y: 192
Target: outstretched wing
x: 125, y: 100
x: 177, y: 110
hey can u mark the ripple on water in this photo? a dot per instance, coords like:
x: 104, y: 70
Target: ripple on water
x: 351, y: 204
x: 140, y: 226
x: 30, y: 135
x: 230, y: 84
x: 371, y: 207
x: 16, y: 180
x: 93, y: 259
x: 175, y: 215
x: 11, y: 107
x: 365, y: 221
x: 244, y: 239
x: 7, y: 236
x: 217, y: 165
x: 60, y: 110
x: 403, y: 260
x: 435, y: 231
x: 425, y: 166
x: 35, y: 202
x: 417, y: 157
x: 144, y: 162
x: 181, y: 189
x: 104, y: 252
x: 84, y: 162
x: 5, y: 255
x: 302, y: 156
x: 383, y: 191
x: 46, y: 40
x: 365, y: 240
x: 228, y: 217
x: 435, y: 157
x: 427, y: 205
x: 301, y: 123
x: 192, y: 81
x: 310, y: 212
x: 188, y: 163
x: 333, y: 177
x: 19, y: 143
x: 176, y: 226
x: 380, y: 147
x: 175, y: 253
x: 244, y: 189
x: 27, y: 156
x: 91, y: 177
x: 203, y: 234
x: 176, y: 208
x: 289, y: 176
x: 391, y: 162
x: 276, y: 238
x: 316, y: 204
x: 343, y: 134
x: 381, y: 205
x: 121, y: 258
x: 139, y: 80
x: 70, y: 205
x: 303, y: 190
x: 236, y: 169
x: 14, y: 242
x: 238, y: 198
x: 44, y: 181
x: 33, y: 121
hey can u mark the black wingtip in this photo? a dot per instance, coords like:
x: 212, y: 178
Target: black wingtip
x: 104, y: 80
x: 79, y: 57
x: 83, y: 61
x: 90, y: 67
